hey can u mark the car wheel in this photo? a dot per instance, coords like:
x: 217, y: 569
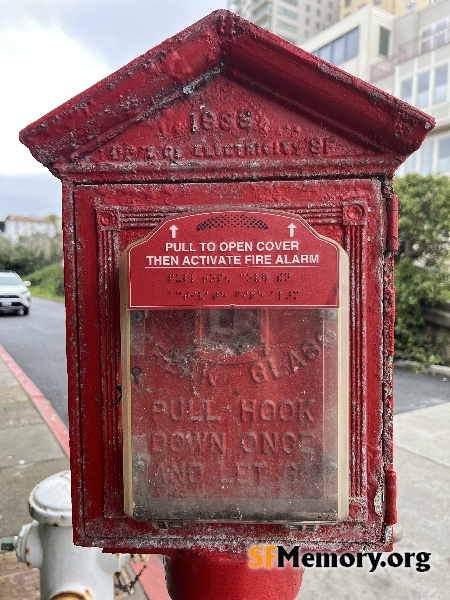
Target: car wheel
x: 26, y: 310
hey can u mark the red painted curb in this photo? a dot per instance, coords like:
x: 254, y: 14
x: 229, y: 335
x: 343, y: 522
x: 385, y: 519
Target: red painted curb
x: 43, y: 406
x: 153, y: 578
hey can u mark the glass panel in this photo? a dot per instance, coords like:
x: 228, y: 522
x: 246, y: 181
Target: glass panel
x: 440, y: 84
x: 325, y: 53
x: 444, y: 156
x: 235, y: 414
x: 383, y: 47
x: 423, y: 86
x: 287, y: 13
x: 338, y: 55
x: 352, y: 43
x: 425, y: 40
x: 286, y: 26
x: 406, y: 93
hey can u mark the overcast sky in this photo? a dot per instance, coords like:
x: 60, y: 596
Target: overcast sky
x: 50, y: 50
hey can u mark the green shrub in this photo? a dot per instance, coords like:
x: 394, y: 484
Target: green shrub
x: 422, y: 276
x: 18, y: 258
x: 48, y: 281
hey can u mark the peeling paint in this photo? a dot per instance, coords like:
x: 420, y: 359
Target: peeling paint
x: 378, y: 501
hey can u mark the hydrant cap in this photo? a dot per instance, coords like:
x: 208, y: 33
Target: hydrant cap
x: 50, y: 501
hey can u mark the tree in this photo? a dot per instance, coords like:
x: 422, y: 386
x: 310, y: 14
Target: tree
x: 422, y: 266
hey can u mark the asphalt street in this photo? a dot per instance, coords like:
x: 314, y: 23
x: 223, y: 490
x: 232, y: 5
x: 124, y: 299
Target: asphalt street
x: 37, y: 344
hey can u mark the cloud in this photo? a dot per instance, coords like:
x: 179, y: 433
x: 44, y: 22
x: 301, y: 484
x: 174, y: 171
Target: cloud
x: 41, y: 68
x: 37, y: 195
x: 113, y: 30
x: 50, y: 51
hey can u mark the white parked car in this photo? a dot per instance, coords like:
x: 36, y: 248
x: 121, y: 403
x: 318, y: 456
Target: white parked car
x: 14, y: 293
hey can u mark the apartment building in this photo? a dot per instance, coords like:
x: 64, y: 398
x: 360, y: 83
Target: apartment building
x: 16, y: 227
x: 293, y: 20
x: 407, y: 56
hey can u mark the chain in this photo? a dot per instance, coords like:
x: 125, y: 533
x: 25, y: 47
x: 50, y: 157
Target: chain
x: 128, y: 587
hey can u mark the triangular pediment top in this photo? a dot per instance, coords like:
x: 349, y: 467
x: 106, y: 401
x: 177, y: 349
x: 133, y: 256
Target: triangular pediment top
x: 224, y: 121
x: 223, y: 45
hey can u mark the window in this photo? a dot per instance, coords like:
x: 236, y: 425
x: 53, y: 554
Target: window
x: 307, y: 21
x: 425, y: 39
x: 287, y: 13
x: 348, y: 2
x: 426, y: 158
x: 265, y: 22
x: 318, y: 12
x: 436, y: 35
x: 265, y: 9
x: 441, y: 34
x: 307, y: 8
x: 325, y: 53
x: 341, y: 49
x: 351, y: 44
x: 440, y: 84
x: 423, y: 87
x: 443, y: 165
x: 287, y: 26
x: 291, y: 2
x: 383, y: 42
x: 406, y: 90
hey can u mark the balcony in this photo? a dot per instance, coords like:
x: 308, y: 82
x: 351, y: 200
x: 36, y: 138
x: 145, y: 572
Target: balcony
x: 421, y: 45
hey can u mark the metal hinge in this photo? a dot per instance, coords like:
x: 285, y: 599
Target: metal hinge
x: 301, y: 526
x: 171, y: 524
x: 390, y: 489
x: 392, y: 223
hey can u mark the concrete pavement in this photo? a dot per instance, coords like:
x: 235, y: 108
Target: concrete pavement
x: 29, y: 452
x: 34, y: 444
x: 422, y: 463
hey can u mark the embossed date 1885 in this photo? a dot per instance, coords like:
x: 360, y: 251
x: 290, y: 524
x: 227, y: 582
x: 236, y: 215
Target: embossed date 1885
x: 209, y: 120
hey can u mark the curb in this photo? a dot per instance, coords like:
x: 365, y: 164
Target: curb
x: 438, y: 370
x: 43, y: 406
x: 152, y: 579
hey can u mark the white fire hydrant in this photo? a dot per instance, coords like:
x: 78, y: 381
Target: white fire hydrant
x: 67, y: 571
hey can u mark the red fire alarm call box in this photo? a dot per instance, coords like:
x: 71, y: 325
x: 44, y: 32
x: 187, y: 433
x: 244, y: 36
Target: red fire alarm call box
x: 229, y: 224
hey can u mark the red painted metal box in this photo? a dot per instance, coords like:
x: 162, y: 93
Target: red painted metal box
x: 229, y: 226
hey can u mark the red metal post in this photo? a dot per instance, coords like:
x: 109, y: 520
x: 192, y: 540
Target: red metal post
x: 213, y: 575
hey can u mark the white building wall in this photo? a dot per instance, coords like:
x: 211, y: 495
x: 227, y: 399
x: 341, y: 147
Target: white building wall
x: 424, y: 81
x: 368, y: 21
x: 16, y: 228
x: 413, y: 61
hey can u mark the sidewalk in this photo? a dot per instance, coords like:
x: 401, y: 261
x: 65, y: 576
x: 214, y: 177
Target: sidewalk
x: 29, y: 452
x: 34, y: 444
